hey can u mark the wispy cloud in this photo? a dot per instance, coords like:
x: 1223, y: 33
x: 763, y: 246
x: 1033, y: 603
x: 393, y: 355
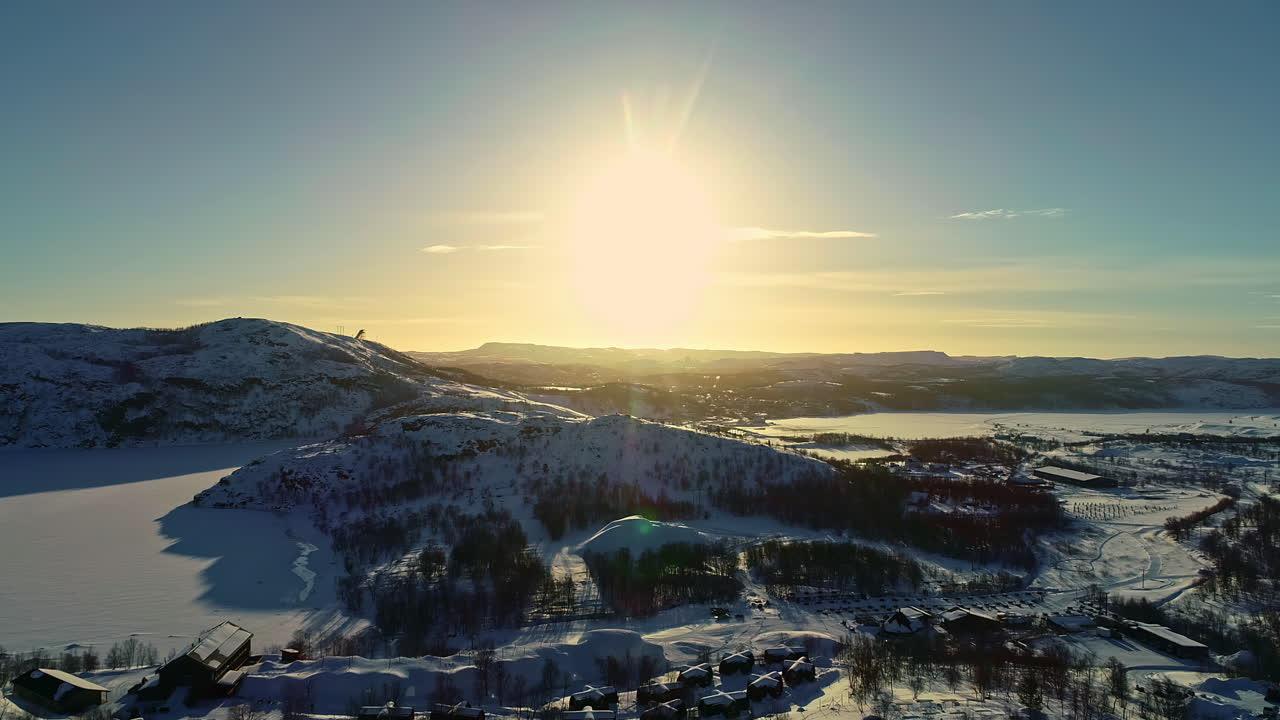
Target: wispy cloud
x: 450, y: 249
x: 488, y: 217
x: 1031, y: 275
x: 918, y: 293
x: 497, y: 248
x: 1003, y: 322
x: 758, y: 233
x: 1038, y: 319
x: 1006, y: 214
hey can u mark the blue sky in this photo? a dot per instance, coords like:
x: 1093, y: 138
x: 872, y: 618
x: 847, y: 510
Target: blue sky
x: 990, y: 178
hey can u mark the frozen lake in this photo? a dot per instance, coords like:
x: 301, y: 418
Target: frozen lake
x: 1065, y: 425
x: 101, y: 544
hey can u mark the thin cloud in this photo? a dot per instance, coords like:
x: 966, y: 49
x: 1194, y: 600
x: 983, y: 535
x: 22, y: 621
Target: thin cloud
x: 1006, y: 214
x: 450, y: 249
x: 918, y: 293
x: 758, y: 233
x: 201, y: 302
x: 441, y: 249
x: 1002, y: 322
x: 1039, y: 319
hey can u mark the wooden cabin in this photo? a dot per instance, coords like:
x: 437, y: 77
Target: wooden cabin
x: 765, y: 685
x: 737, y: 663
x: 597, y: 698
x: 57, y: 690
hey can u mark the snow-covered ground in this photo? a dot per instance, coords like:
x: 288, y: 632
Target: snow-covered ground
x: 1062, y: 426
x: 101, y: 544
x: 1119, y: 542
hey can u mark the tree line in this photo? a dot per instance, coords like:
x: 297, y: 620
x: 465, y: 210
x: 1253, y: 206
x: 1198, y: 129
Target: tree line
x: 673, y: 574
x: 837, y: 565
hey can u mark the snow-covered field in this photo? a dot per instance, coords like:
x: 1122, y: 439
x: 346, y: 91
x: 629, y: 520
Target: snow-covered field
x: 1120, y: 544
x: 1063, y: 426
x: 100, y: 544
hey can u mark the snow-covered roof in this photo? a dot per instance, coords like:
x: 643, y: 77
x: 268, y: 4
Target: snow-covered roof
x: 1168, y: 635
x: 695, y: 671
x: 800, y: 665
x: 1071, y: 623
x: 905, y: 621
x: 390, y: 710
x: 955, y: 614
x: 1067, y: 474
x: 217, y: 645
x: 594, y: 693
x: 67, y: 679
x: 770, y: 679
x: 459, y: 710
x: 720, y: 697
x: 588, y: 714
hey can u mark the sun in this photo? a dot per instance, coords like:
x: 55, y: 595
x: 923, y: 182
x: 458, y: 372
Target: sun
x: 643, y: 234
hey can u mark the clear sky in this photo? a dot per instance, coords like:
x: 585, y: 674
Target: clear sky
x: 1066, y: 178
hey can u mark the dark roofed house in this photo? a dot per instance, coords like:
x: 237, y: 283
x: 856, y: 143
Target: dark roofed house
x: 769, y: 684
x: 799, y: 671
x: 719, y: 702
x: 213, y: 655
x: 669, y: 710
x: 905, y: 621
x: 658, y: 692
x: 739, y: 662
x: 782, y: 653
x: 695, y: 675
x: 960, y: 621
x: 597, y: 698
x: 58, y: 690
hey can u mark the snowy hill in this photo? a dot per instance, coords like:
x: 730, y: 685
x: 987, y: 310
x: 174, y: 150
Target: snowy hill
x: 474, y: 454
x: 67, y: 385
x: 638, y: 534
x: 422, y: 493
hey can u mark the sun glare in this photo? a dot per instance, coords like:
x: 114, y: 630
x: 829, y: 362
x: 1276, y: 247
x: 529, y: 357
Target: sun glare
x: 643, y: 235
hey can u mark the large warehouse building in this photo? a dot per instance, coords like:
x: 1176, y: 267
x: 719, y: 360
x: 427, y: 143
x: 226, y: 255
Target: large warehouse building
x: 1168, y: 641
x: 1074, y: 477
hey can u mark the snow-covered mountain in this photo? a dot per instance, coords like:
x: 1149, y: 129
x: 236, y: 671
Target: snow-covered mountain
x: 69, y: 385
x: 475, y: 453
x: 689, y: 385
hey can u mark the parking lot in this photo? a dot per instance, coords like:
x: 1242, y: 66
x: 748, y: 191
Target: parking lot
x: 860, y: 609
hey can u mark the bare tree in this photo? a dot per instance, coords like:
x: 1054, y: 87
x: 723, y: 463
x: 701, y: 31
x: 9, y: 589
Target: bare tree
x: 243, y: 711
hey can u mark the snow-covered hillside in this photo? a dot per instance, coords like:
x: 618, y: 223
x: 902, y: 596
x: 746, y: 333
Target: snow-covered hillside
x: 479, y: 453
x: 67, y: 385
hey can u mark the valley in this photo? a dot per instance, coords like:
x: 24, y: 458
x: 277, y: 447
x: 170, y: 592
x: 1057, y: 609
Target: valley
x: 406, y: 537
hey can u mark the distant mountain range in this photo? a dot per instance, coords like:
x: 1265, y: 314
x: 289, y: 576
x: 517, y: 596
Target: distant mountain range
x: 70, y: 385
x: 691, y: 384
